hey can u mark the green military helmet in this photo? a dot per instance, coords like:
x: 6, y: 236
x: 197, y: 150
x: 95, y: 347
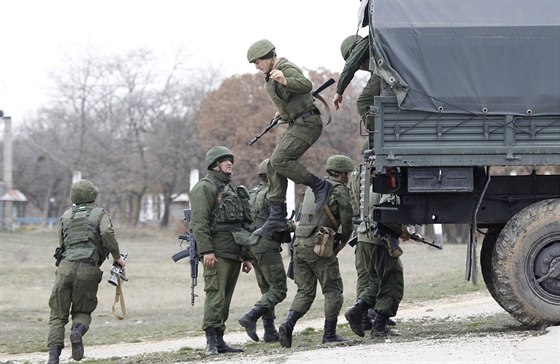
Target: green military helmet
x: 83, y: 191
x: 259, y: 49
x: 215, y: 153
x: 339, y: 163
x: 262, y: 166
x: 347, y: 44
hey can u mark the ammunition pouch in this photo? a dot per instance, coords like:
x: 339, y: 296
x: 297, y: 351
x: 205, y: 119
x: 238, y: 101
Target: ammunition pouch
x: 324, y: 242
x: 242, y: 237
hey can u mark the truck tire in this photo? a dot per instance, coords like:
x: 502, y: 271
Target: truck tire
x: 486, y: 254
x: 527, y: 249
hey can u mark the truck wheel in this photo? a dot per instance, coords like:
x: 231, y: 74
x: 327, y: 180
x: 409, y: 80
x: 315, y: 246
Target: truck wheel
x: 526, y: 264
x: 486, y: 253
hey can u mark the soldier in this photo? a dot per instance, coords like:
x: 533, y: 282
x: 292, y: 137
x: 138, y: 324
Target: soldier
x: 268, y: 265
x: 221, y: 216
x: 86, y: 239
x: 315, y: 252
x: 385, y: 287
x: 290, y: 93
x: 355, y: 51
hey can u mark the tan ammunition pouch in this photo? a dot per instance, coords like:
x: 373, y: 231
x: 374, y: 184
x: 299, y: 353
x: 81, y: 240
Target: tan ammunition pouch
x: 324, y: 242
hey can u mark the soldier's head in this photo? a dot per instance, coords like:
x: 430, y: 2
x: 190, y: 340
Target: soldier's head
x: 262, y: 53
x: 263, y: 170
x: 348, y: 44
x: 339, y: 166
x: 220, y: 159
x: 83, y: 191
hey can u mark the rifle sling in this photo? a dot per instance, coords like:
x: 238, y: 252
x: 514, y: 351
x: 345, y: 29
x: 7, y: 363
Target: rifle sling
x: 327, y: 109
x: 119, y: 298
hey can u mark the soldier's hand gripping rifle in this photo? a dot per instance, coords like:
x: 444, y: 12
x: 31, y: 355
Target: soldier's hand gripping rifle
x: 190, y: 252
x: 277, y: 118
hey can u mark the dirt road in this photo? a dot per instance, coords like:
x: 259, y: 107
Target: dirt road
x: 494, y: 348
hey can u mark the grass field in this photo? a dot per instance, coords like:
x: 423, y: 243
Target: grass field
x: 157, y: 294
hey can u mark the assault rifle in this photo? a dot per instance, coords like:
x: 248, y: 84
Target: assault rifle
x: 290, y: 271
x: 190, y: 252
x: 391, y: 237
x: 276, y: 119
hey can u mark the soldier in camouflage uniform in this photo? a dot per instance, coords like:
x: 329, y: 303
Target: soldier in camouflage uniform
x: 309, y: 267
x: 385, y: 287
x: 355, y: 51
x: 268, y: 265
x: 290, y: 93
x: 86, y: 238
x: 220, y: 221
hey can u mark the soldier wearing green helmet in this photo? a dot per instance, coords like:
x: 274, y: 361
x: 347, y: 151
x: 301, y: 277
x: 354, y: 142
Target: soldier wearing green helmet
x: 220, y: 221
x: 290, y: 93
x: 332, y: 225
x: 86, y: 238
x: 355, y: 51
x: 268, y: 264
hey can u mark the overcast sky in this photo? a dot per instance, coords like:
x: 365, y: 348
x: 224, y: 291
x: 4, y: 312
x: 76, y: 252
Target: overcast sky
x: 36, y: 35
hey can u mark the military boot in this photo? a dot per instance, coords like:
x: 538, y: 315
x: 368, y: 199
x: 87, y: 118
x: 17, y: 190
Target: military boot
x: 366, y: 322
x: 211, y: 341
x: 222, y: 346
x: 354, y: 317
x: 276, y: 220
x: 329, y: 333
x: 321, y: 189
x: 287, y: 328
x: 371, y: 314
x: 270, y: 332
x: 78, y: 331
x: 54, y: 354
x: 249, y: 321
x: 380, y: 326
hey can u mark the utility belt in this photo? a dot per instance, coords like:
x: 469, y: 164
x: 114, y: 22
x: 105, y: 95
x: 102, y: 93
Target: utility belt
x: 228, y: 227
x: 307, y: 114
x: 84, y: 261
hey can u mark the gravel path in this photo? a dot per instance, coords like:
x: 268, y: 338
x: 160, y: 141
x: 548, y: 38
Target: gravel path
x: 500, y: 348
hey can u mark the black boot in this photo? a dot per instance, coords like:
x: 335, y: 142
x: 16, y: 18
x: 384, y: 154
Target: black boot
x: 276, y: 220
x: 249, y: 321
x: 366, y: 322
x: 354, y: 317
x: 270, y: 332
x: 54, y: 354
x: 321, y: 189
x: 211, y: 341
x: 287, y: 328
x: 223, y: 347
x: 329, y: 333
x: 78, y: 331
x: 380, y: 326
x: 371, y: 314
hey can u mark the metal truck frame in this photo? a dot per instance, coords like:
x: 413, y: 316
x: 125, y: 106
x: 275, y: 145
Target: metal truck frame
x: 498, y: 172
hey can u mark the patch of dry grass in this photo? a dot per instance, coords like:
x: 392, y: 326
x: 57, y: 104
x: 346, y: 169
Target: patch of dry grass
x: 157, y: 294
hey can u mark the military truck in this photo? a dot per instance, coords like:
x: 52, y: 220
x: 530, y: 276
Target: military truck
x: 467, y: 131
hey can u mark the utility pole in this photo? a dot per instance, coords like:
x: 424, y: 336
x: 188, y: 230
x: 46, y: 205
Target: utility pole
x: 7, y: 212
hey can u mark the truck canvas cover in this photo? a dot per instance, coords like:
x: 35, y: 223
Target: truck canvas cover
x: 499, y: 57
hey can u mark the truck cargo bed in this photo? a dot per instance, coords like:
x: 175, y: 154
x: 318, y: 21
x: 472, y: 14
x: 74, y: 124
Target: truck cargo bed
x: 422, y: 139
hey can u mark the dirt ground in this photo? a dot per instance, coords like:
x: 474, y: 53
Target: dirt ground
x: 494, y: 348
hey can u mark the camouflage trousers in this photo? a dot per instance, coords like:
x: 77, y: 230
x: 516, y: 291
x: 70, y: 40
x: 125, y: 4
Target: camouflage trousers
x: 326, y: 272
x: 75, y: 293
x: 362, y: 280
x: 284, y: 164
x: 271, y: 278
x: 385, y: 288
x: 219, y: 284
x: 366, y: 98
